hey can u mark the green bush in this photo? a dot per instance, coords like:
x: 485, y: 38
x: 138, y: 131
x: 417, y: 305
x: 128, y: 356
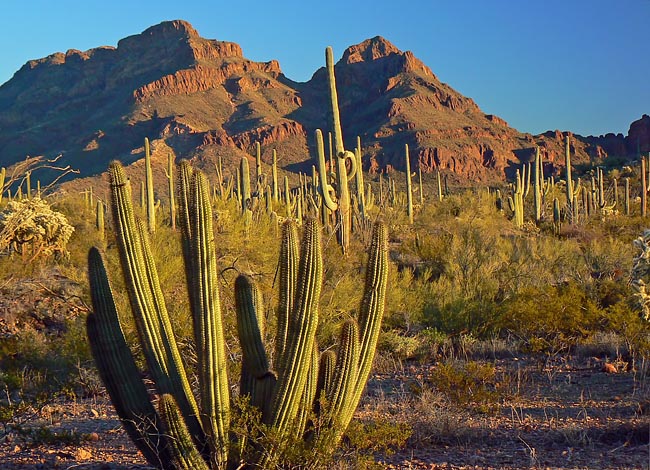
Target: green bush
x: 552, y: 318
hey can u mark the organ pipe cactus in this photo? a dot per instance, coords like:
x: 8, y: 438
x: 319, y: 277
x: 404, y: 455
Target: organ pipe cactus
x: 177, y: 434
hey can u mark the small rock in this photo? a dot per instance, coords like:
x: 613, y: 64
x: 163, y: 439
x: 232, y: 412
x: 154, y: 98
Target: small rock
x: 609, y: 368
x: 83, y: 454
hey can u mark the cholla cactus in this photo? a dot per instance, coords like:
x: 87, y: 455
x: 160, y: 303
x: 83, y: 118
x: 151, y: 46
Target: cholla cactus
x: 32, y: 223
x: 641, y: 273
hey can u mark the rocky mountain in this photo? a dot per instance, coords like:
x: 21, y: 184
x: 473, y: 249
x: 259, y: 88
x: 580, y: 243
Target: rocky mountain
x: 201, y: 99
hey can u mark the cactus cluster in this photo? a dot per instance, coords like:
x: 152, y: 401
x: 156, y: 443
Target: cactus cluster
x: 302, y: 395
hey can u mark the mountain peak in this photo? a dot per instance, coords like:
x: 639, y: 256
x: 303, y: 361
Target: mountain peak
x: 175, y: 29
x: 369, y: 50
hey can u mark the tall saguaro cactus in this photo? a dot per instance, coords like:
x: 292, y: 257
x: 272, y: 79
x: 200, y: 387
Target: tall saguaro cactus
x: 409, y: 184
x: 569, y: 182
x: 3, y: 174
x: 169, y: 172
x: 178, y: 434
x: 341, y: 202
x: 150, y: 202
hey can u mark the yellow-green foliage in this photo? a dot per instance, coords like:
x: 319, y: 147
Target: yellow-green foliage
x: 467, y: 383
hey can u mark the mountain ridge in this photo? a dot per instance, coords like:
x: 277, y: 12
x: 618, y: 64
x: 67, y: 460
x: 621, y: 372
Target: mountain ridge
x: 203, y: 99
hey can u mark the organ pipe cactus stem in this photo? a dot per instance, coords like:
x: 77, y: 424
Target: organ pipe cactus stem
x: 409, y: 184
x: 145, y: 294
x: 118, y: 369
x: 294, y: 363
x: 150, y: 201
x: 206, y: 312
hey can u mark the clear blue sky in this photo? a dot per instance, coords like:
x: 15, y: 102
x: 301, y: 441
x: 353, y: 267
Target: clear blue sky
x: 579, y: 65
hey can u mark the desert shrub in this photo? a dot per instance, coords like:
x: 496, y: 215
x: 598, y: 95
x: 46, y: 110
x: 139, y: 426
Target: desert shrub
x: 30, y: 224
x: 467, y: 383
x: 402, y: 346
x: 551, y: 318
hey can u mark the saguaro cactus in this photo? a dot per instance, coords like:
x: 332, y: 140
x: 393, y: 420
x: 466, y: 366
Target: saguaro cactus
x: 179, y: 435
x: 569, y: 182
x: 150, y: 201
x: 274, y: 171
x: 3, y: 174
x: 169, y: 172
x: 341, y: 201
x: 538, y: 181
x: 409, y: 184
